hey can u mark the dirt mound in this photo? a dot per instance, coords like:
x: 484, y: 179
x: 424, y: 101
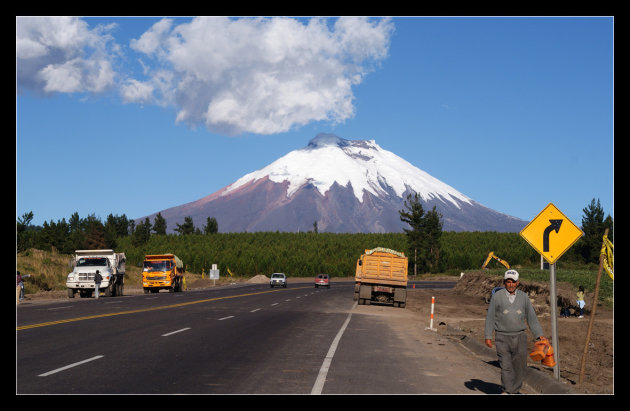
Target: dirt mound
x: 481, y: 285
x: 259, y: 279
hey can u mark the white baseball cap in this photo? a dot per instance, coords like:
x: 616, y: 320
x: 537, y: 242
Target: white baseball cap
x: 511, y: 275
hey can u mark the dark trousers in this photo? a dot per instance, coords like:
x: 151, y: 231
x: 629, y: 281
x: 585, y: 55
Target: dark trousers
x: 512, y: 355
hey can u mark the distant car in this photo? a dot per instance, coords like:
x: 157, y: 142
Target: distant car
x: 322, y: 280
x: 278, y: 279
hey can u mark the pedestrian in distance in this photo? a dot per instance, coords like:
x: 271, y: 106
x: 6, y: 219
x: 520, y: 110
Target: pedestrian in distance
x: 97, y: 282
x: 22, y: 277
x: 509, y: 314
x: 580, y: 300
x: 18, y: 287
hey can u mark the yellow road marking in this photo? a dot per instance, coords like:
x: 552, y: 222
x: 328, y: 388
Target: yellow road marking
x: 90, y: 317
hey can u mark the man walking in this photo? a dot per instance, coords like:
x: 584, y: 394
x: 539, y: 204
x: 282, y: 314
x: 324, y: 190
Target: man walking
x: 509, y: 314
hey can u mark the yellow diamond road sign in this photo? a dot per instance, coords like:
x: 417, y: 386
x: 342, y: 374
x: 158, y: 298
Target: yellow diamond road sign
x: 551, y: 233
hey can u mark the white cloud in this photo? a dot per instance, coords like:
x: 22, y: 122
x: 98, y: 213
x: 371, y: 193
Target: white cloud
x: 134, y: 91
x: 151, y: 40
x: 233, y: 76
x: 61, y: 54
x: 65, y: 77
x: 360, y: 40
x: 263, y: 75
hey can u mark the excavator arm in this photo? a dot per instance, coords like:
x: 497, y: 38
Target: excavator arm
x: 491, y: 256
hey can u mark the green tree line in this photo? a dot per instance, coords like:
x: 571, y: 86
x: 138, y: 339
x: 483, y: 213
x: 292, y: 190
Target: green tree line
x: 298, y: 254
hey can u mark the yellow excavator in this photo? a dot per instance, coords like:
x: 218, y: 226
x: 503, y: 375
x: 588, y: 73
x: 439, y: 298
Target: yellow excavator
x: 491, y: 256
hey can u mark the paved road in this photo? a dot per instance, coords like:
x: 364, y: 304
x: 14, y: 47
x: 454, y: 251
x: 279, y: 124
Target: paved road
x: 246, y: 339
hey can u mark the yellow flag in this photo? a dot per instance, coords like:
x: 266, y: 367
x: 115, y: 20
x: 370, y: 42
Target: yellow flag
x: 608, y: 257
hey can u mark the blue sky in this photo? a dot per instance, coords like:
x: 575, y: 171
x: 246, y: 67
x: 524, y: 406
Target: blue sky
x: 135, y: 115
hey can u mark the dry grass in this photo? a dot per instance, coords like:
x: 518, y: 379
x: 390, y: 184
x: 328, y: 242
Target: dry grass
x: 48, y: 271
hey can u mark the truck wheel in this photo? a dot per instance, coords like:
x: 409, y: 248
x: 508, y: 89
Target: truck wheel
x: 108, y: 290
x: 70, y: 293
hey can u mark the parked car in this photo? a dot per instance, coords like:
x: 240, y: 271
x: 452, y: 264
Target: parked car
x: 322, y: 280
x: 278, y: 279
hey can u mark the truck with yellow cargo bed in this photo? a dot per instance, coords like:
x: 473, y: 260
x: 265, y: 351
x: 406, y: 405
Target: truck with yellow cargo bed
x: 162, y: 272
x: 381, y: 276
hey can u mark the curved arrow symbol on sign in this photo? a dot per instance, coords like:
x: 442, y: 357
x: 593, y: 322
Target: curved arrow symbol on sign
x: 554, y: 226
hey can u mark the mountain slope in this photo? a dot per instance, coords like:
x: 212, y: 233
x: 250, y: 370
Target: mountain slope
x: 344, y: 186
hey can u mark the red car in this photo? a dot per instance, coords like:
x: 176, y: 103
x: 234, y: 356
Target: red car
x: 322, y: 280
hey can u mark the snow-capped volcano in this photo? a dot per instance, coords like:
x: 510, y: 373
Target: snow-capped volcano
x: 362, y: 164
x: 344, y: 186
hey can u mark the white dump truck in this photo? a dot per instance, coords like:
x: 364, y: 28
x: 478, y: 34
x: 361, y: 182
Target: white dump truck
x: 110, y: 265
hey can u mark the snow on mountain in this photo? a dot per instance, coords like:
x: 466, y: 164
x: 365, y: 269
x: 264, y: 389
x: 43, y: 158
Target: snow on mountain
x: 361, y: 163
x: 343, y: 185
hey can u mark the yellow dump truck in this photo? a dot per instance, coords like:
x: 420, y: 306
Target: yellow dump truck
x: 381, y: 276
x: 162, y: 272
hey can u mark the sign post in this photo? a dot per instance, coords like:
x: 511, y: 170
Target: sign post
x: 553, y: 297
x: 551, y: 233
x: 214, y: 274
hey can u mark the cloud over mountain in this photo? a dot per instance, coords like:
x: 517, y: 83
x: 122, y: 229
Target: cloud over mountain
x: 232, y: 76
x: 259, y: 75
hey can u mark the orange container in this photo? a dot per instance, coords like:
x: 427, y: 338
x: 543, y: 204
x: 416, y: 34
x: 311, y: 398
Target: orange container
x: 542, y: 348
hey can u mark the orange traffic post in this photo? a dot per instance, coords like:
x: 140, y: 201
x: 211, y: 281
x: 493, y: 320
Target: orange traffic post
x: 430, y: 327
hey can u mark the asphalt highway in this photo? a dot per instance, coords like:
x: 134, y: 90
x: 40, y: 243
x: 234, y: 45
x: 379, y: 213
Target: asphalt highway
x: 245, y: 339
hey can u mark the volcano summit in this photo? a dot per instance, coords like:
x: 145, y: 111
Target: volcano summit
x: 343, y: 185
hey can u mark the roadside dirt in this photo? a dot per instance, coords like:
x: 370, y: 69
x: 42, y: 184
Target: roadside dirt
x: 464, y: 307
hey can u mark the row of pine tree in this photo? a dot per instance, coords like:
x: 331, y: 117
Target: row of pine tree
x: 307, y: 253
